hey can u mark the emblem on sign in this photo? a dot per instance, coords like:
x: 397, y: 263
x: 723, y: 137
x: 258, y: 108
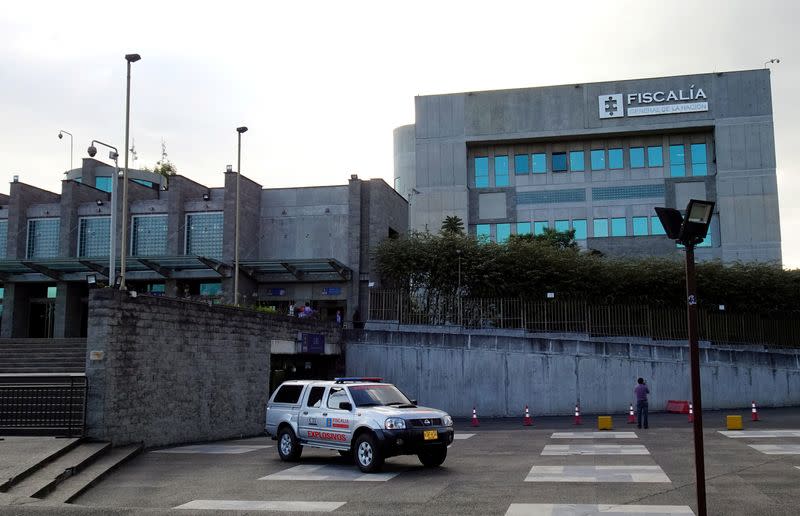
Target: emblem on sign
x: 610, y: 106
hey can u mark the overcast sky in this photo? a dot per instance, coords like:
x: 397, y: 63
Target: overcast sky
x: 321, y: 85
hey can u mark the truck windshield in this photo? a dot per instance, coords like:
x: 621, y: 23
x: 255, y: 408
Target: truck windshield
x: 372, y: 395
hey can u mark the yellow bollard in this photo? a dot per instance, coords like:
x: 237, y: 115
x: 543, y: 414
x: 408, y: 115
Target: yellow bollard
x: 604, y: 423
x: 734, y: 422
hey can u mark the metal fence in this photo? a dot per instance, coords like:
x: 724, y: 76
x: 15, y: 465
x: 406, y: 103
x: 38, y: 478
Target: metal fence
x: 43, y: 404
x: 576, y: 316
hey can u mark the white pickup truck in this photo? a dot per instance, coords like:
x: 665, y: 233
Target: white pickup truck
x: 360, y: 417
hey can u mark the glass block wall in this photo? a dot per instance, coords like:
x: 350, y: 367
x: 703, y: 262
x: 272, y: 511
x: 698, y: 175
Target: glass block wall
x: 204, y: 234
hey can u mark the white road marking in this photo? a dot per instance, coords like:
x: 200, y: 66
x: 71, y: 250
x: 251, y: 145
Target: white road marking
x: 777, y: 449
x: 594, y: 435
x: 461, y: 437
x: 256, y: 505
x: 215, y: 449
x: 549, y: 509
x: 758, y: 434
x: 594, y: 449
x: 596, y: 474
x: 314, y: 472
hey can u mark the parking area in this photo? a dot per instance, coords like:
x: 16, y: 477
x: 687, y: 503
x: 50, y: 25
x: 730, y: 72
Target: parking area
x: 501, y: 467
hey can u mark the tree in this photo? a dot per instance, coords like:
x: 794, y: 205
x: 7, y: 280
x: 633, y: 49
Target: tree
x: 164, y: 166
x: 452, y: 225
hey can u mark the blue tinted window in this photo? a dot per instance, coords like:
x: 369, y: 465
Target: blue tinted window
x: 483, y: 232
x: 503, y: 232
x: 523, y: 228
x: 677, y: 161
x: 94, y: 236
x: 539, y: 227
x: 657, y: 228
x: 561, y: 225
x: 637, y: 157
x: 210, y: 289
x: 699, y: 167
x: 521, y: 164
x: 639, y: 226
x: 148, y: 184
x: 157, y: 288
x: 618, y: 227
x: 103, y: 183
x: 559, y: 162
x: 579, y: 225
x: 43, y: 238
x: 576, y: 161
x: 600, y: 228
x: 655, y: 157
x: 598, y: 159
x: 149, y: 235
x: 204, y: 234
x: 539, y: 163
x: 52, y: 292
x: 3, y: 238
x: 501, y: 171
x: 614, y: 159
x: 481, y: 172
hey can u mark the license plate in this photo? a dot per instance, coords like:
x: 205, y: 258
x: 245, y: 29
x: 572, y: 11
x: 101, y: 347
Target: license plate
x: 430, y: 435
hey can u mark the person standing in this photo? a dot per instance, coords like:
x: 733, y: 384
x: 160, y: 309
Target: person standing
x: 641, y: 391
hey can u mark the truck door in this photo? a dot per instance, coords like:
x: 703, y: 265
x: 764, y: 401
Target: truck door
x: 311, y: 420
x: 338, y: 423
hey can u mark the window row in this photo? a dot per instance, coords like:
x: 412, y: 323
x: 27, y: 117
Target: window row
x: 148, y: 236
x: 599, y: 159
x: 601, y: 228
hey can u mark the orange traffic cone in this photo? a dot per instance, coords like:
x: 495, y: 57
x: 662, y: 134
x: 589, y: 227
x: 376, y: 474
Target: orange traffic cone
x: 691, y: 413
x: 527, y: 421
x: 475, y: 421
x: 754, y: 415
x: 577, y: 414
x: 631, y: 417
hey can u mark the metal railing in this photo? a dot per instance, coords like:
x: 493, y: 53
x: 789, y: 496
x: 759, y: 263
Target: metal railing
x: 578, y: 316
x: 43, y: 404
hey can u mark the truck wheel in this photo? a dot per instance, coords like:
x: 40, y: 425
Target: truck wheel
x: 368, y: 456
x: 289, y: 448
x: 433, y: 456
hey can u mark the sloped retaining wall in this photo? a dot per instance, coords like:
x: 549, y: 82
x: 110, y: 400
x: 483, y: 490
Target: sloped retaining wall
x: 501, y: 372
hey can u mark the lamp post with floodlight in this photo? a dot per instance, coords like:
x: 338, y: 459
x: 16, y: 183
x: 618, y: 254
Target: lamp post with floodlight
x: 130, y: 58
x: 239, y: 130
x: 690, y: 231
x: 112, y: 251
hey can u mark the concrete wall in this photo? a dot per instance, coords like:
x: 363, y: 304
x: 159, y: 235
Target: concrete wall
x: 176, y: 371
x: 500, y: 373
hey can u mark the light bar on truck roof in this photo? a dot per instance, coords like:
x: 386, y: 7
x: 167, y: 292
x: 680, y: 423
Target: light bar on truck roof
x: 358, y: 379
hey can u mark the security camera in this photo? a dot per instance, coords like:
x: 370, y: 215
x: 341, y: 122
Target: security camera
x: 60, y: 136
x: 92, y: 151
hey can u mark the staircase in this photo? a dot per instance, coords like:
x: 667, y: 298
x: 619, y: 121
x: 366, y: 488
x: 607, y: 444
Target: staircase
x: 65, y: 474
x: 21, y: 356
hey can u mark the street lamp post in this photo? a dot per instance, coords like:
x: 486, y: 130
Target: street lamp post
x: 239, y: 130
x: 112, y: 251
x: 690, y: 231
x: 61, y: 134
x: 130, y: 58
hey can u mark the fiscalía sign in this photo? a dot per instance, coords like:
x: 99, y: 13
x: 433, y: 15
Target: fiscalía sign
x: 645, y: 103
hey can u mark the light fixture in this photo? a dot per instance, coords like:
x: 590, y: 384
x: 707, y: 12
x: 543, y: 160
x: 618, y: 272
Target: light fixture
x: 774, y: 60
x: 689, y: 230
x: 206, y: 197
x: 228, y: 168
x: 91, y: 280
x: 99, y: 202
x: 551, y: 295
x: 15, y: 179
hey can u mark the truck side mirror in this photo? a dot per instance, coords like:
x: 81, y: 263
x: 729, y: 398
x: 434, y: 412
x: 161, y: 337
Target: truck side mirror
x: 346, y: 405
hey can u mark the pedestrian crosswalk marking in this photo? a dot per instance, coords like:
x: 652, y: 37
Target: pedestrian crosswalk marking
x: 330, y: 472
x: 594, y: 449
x: 759, y: 434
x: 257, y: 505
x: 215, y: 449
x: 549, y: 509
x: 596, y: 474
x: 594, y: 435
x: 777, y: 449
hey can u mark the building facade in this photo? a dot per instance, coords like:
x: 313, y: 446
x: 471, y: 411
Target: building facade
x: 597, y: 158
x: 297, y: 245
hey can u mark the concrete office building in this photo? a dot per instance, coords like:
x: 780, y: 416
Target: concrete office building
x: 597, y: 158
x: 297, y: 244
